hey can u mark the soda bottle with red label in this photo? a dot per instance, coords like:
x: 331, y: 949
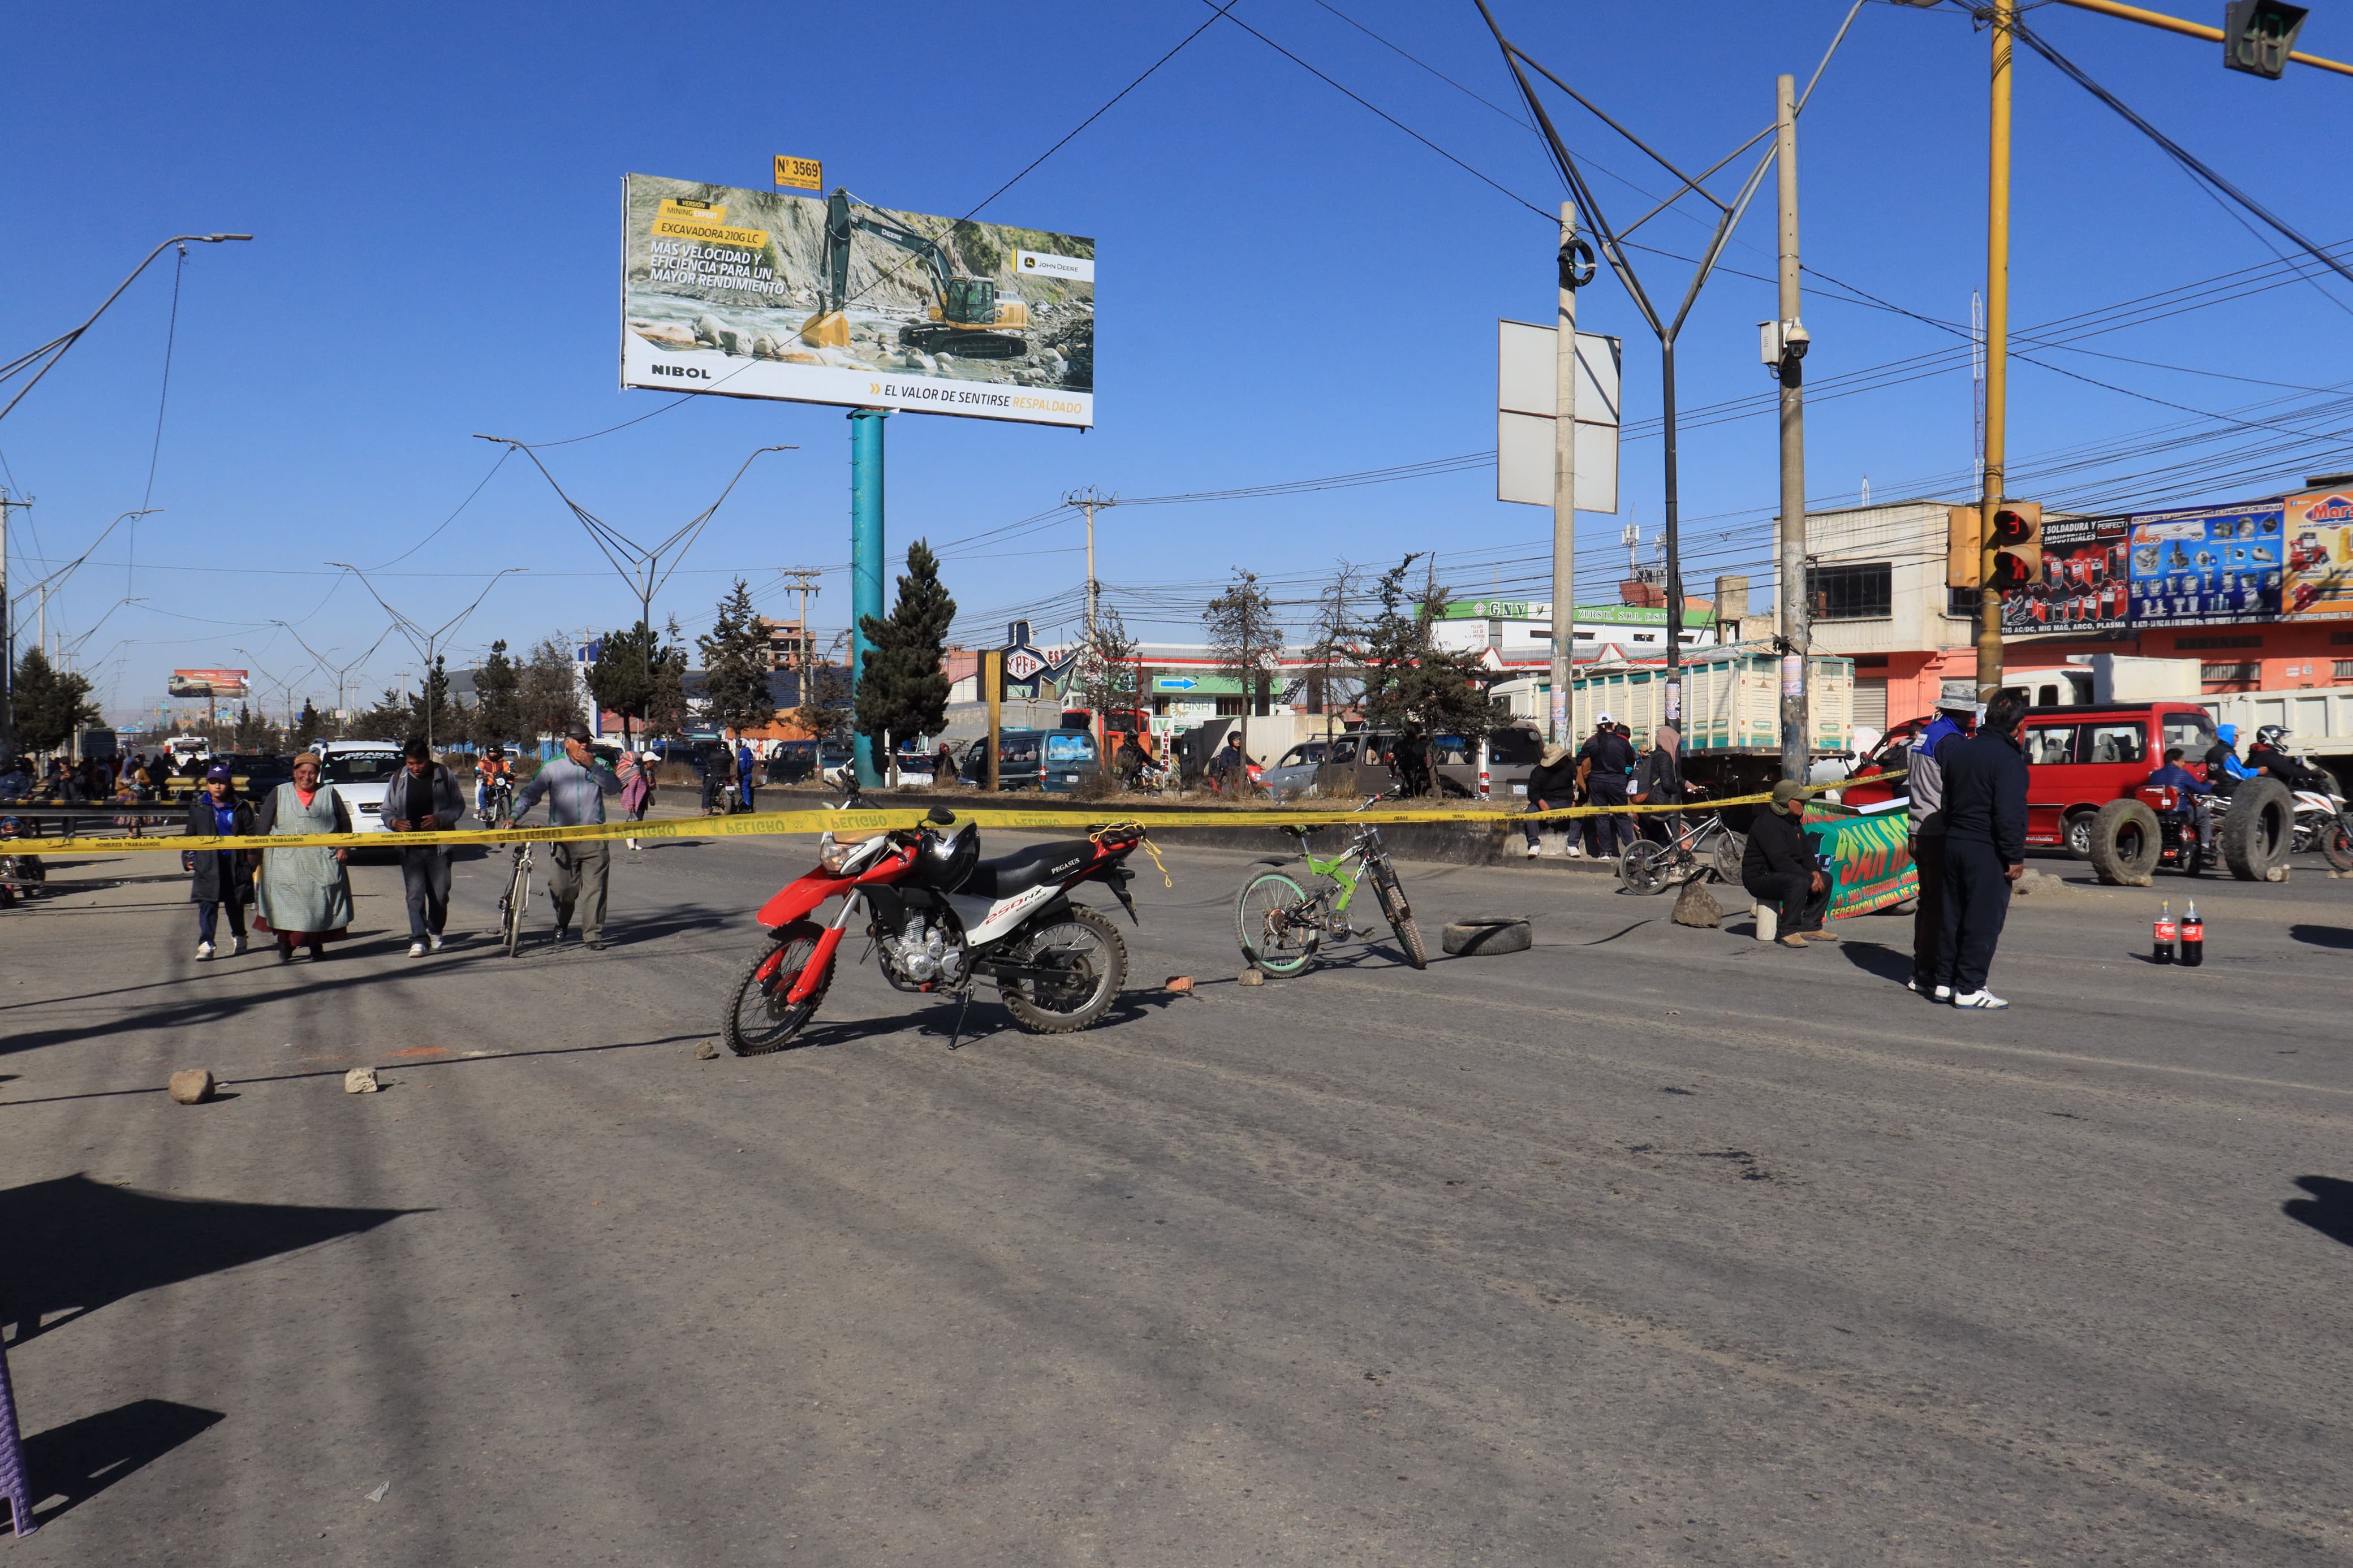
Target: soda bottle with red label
x: 2193, y: 937
x: 2162, y: 948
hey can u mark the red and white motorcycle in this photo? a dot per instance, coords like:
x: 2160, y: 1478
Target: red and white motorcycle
x: 941, y: 918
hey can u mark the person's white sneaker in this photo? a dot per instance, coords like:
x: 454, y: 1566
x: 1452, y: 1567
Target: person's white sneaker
x: 237, y: 946
x: 1978, y: 999
x: 204, y: 951
x: 1944, y: 993
x: 434, y: 942
x: 632, y: 843
x: 1531, y: 851
x: 1575, y: 853
x: 415, y: 949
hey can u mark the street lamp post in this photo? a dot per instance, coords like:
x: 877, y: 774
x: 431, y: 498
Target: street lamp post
x: 427, y: 643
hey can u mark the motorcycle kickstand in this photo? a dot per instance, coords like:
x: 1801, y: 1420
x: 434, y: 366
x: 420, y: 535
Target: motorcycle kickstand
x: 955, y: 1036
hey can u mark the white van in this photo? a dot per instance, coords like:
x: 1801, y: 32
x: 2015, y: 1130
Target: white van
x: 361, y: 771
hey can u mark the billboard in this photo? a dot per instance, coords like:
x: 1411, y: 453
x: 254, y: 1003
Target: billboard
x: 2086, y: 579
x: 2207, y: 566
x: 203, y: 683
x: 2318, y: 532
x: 767, y: 294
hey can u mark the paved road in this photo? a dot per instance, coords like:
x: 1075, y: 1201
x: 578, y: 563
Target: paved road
x: 1653, y: 1246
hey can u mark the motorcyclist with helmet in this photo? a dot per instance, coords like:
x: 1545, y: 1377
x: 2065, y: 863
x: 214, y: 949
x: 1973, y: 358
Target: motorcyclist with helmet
x: 2269, y: 754
x: 2223, y: 769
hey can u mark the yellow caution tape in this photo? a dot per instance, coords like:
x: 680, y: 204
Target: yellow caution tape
x: 771, y: 823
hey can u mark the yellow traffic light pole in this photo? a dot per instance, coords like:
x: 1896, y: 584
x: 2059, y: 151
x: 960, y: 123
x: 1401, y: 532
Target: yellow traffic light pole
x: 2004, y: 14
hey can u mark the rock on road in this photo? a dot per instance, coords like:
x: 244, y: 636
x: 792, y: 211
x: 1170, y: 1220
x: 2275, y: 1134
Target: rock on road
x: 1648, y: 1246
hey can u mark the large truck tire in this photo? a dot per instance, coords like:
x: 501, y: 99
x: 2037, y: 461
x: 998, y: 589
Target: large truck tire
x: 2257, y: 829
x: 2126, y: 843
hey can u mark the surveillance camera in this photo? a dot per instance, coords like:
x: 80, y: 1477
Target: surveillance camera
x: 1794, y: 337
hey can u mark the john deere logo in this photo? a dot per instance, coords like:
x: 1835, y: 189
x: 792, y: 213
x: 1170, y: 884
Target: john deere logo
x: 1030, y: 262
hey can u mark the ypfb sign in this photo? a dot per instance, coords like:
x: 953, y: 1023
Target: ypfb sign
x: 1026, y: 668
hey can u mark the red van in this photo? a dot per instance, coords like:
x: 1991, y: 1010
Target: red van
x: 2079, y: 759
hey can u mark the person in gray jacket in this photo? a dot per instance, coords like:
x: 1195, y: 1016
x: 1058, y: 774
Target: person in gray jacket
x: 423, y: 798
x: 575, y: 786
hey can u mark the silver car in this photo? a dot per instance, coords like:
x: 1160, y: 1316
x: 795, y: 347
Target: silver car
x: 1296, y: 774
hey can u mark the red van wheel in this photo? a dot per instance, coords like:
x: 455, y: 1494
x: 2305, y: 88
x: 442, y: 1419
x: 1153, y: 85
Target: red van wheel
x: 2078, y: 833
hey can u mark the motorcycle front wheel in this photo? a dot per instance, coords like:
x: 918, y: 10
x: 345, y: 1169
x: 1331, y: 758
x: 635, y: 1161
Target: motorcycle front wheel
x: 1089, y: 963
x: 2337, y: 842
x: 759, y: 1020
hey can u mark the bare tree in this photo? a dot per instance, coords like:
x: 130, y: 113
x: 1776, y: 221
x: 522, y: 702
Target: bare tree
x: 1107, y: 673
x: 1338, y: 643
x: 1244, y: 638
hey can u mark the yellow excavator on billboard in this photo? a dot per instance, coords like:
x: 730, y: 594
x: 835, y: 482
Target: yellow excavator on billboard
x: 967, y: 317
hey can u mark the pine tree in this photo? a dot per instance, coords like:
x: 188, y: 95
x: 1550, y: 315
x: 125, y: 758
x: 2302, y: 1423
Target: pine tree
x: 547, y: 696
x: 628, y: 674
x: 1244, y: 638
x: 52, y: 705
x: 666, y: 704
x: 736, y: 666
x: 307, y: 727
x: 1410, y: 680
x: 435, y: 713
x: 902, y: 692
x: 496, y: 719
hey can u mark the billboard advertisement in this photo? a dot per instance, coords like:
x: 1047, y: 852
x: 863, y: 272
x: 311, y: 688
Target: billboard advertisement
x: 2086, y: 578
x: 2208, y: 566
x: 750, y: 293
x: 2318, y: 530
x: 202, y: 683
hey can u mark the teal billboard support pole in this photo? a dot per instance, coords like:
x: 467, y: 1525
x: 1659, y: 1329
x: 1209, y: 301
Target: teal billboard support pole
x: 865, y: 560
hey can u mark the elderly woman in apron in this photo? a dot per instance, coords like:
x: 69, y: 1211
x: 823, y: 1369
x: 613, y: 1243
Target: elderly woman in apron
x: 304, y: 895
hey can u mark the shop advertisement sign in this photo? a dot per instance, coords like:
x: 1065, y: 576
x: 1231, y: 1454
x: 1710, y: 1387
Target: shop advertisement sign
x: 1869, y: 854
x: 2319, y: 545
x: 2207, y: 566
x: 2086, y: 575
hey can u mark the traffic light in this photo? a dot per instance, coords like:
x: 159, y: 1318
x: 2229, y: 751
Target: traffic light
x: 2257, y: 35
x: 2017, y: 544
x: 1964, y: 553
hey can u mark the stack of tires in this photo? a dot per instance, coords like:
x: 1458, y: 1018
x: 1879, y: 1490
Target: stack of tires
x: 2256, y: 831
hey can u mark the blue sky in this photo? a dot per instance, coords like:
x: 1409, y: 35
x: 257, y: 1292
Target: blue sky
x: 1289, y: 287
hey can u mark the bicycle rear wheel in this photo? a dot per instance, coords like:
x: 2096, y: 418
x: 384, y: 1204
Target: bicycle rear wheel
x: 1273, y: 925
x: 1391, y: 895
x: 1643, y: 867
x: 512, y: 908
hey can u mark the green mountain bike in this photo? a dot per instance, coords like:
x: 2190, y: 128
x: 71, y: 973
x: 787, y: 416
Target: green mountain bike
x: 1280, y: 923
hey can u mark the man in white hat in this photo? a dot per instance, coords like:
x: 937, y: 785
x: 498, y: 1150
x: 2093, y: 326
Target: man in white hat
x: 1552, y: 787
x: 1956, y: 715
x: 1606, y: 767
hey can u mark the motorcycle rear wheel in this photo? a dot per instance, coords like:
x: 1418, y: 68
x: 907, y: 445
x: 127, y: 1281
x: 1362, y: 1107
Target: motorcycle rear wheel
x: 759, y: 1021
x: 1088, y: 948
x: 2337, y: 842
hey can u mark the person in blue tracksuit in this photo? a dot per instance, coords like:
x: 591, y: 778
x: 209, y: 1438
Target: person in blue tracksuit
x: 1985, y: 846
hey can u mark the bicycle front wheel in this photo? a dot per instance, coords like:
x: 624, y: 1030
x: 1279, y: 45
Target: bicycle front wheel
x: 517, y: 901
x: 1274, y: 925
x: 1642, y: 868
x: 1391, y: 895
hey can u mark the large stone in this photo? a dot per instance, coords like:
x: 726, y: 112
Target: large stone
x: 361, y: 1080
x: 1696, y: 907
x: 192, y: 1087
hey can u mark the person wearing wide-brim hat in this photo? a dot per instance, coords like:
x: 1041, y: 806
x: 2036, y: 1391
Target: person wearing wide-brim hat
x: 1552, y: 787
x: 1956, y: 717
x: 1779, y: 870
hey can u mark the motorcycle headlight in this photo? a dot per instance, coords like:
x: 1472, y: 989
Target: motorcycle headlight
x: 832, y: 854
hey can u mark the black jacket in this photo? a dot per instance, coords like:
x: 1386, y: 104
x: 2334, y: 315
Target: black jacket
x: 1556, y: 783
x: 1611, y: 753
x: 1778, y: 845
x: 402, y: 797
x: 1985, y: 794
x: 205, y: 885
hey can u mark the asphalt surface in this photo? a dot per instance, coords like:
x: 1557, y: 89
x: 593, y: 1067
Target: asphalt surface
x: 1649, y: 1246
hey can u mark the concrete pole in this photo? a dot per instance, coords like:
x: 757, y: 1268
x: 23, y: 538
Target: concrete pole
x: 7, y: 639
x: 1797, y: 615
x: 992, y: 685
x: 865, y: 562
x: 1997, y: 350
x: 1563, y: 483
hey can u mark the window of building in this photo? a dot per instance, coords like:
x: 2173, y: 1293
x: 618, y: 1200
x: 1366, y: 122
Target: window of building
x: 1860, y: 593
x: 2212, y: 672
x: 1871, y: 661
x: 2254, y: 641
x: 2340, y: 639
x: 1962, y: 602
x: 1646, y: 636
x: 2343, y: 669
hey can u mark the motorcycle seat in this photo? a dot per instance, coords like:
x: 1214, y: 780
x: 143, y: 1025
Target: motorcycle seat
x: 1026, y: 868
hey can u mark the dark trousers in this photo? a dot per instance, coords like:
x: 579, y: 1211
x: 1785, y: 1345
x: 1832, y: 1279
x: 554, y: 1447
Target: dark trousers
x: 1976, y: 902
x: 1794, y: 900
x: 208, y: 914
x: 1928, y: 913
x: 1551, y: 804
x: 1606, y: 835
x: 424, y: 878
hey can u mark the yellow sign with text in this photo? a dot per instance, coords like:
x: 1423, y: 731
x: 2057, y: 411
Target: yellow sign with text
x: 706, y: 222
x: 800, y: 174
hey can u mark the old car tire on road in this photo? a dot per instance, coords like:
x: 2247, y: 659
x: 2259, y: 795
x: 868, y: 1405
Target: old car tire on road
x: 2257, y: 829
x: 2126, y: 843
x: 1479, y: 935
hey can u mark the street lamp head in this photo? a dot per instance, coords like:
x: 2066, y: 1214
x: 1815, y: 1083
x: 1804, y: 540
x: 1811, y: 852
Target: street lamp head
x: 216, y: 238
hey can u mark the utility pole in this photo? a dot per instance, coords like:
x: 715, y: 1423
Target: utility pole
x: 1087, y: 500
x: 8, y: 503
x: 2003, y: 15
x: 803, y: 580
x: 1563, y: 471
x: 1796, y: 630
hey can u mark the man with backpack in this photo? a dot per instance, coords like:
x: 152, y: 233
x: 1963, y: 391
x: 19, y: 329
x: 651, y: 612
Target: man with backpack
x: 1605, y: 768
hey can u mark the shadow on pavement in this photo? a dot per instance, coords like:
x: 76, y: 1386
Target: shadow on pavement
x: 2329, y: 1209
x: 81, y: 1458
x: 78, y: 1245
x: 2323, y: 936
x: 1875, y: 958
